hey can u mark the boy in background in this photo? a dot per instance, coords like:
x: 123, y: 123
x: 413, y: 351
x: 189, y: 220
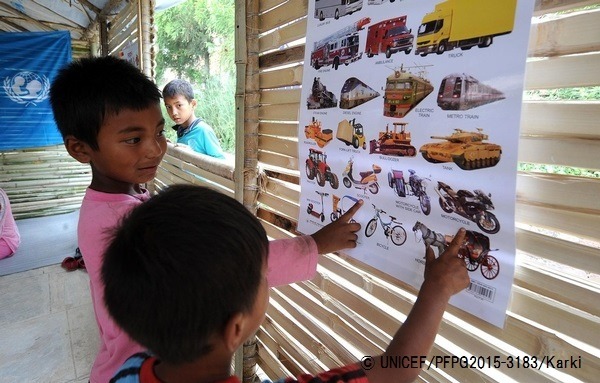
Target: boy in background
x: 214, y: 293
x: 109, y: 115
x: 191, y: 130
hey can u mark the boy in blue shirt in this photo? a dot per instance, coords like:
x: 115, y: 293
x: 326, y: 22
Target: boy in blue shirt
x: 179, y: 100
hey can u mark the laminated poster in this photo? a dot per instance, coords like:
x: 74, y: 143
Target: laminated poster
x: 414, y: 106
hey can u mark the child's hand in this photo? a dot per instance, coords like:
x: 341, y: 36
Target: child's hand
x: 448, y: 273
x: 340, y: 234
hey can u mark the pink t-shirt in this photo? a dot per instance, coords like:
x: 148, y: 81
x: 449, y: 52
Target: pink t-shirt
x: 290, y: 260
x: 9, y: 233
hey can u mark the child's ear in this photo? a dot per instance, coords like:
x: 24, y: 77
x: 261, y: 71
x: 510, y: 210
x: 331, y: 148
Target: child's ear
x: 235, y: 332
x: 77, y: 149
x: 194, y: 103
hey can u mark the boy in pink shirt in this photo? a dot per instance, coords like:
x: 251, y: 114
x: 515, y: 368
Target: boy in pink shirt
x: 109, y: 115
x: 10, y: 238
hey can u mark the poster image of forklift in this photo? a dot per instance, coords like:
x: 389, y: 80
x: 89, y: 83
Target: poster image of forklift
x: 355, y: 93
x: 460, y: 91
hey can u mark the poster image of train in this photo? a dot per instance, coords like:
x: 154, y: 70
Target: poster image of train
x: 460, y: 91
x: 336, y: 8
x: 338, y: 48
x: 466, y: 149
x: 320, y: 97
x: 464, y: 24
x: 404, y: 90
x: 393, y: 143
x: 355, y: 92
x: 389, y: 36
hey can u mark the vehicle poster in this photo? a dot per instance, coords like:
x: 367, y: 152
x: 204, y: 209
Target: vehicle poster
x: 414, y: 106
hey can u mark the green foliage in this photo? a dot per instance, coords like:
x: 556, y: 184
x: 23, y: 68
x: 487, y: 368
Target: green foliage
x: 196, y: 43
x: 556, y: 169
x: 566, y: 94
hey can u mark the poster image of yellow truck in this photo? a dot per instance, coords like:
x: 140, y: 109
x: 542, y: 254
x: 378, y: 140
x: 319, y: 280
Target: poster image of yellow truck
x: 464, y: 24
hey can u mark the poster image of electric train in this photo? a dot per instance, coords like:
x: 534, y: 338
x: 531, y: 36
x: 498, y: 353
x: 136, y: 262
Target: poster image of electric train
x: 464, y: 24
x: 466, y: 149
x: 461, y: 92
x: 320, y: 97
x: 338, y: 48
x: 355, y: 92
x: 405, y: 90
x: 336, y: 8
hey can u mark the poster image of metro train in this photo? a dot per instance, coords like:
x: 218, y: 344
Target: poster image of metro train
x: 460, y: 91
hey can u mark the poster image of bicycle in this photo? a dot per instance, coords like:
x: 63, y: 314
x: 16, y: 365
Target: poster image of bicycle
x: 414, y: 107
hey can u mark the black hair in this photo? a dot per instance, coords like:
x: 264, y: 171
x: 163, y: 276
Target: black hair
x: 179, y: 87
x: 85, y: 91
x: 180, y: 266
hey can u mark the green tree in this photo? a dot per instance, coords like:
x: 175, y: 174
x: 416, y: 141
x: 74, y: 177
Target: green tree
x: 195, y: 43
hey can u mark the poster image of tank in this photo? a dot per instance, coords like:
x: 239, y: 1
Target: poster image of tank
x: 315, y: 132
x: 355, y: 92
x: 393, y: 143
x: 405, y: 90
x: 351, y: 132
x: 466, y: 149
x: 474, y: 206
x: 475, y: 251
x: 316, y: 166
x: 416, y: 186
x: 338, y: 48
x: 320, y: 97
x: 462, y: 92
x: 389, y: 36
x: 464, y: 24
x: 336, y: 8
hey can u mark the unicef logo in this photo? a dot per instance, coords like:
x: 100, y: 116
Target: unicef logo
x: 27, y: 87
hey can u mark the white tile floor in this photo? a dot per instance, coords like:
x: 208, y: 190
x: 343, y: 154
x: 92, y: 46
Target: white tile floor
x: 47, y: 328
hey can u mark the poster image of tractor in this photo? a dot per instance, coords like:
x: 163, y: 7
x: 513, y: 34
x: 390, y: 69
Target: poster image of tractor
x: 316, y: 167
x: 465, y: 149
x: 355, y: 92
x: 339, y: 48
x: 464, y: 24
x: 460, y: 91
x: 389, y: 36
x: 351, y: 132
x: 315, y: 132
x: 320, y: 97
x: 405, y: 90
x: 393, y: 143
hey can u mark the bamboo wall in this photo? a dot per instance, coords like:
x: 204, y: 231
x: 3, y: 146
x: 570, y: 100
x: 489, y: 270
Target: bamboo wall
x: 349, y: 310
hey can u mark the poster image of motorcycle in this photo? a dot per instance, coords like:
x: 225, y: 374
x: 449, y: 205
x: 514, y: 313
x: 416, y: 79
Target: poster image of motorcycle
x: 414, y: 107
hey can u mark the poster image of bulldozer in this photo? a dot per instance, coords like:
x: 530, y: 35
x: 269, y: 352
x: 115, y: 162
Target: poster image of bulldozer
x: 315, y: 132
x: 393, y: 143
x: 351, y: 132
x: 320, y: 97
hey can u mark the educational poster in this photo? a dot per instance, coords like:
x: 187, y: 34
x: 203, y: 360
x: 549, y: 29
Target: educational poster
x: 414, y: 106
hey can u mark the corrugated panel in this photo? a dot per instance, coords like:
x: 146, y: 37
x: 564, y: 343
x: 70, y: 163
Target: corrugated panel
x: 350, y: 308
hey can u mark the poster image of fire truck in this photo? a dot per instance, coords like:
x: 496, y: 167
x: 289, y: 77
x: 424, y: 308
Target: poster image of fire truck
x: 414, y: 107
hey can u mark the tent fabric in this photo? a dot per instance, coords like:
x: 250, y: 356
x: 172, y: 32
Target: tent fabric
x: 29, y: 61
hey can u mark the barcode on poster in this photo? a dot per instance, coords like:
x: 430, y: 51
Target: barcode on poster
x: 480, y: 290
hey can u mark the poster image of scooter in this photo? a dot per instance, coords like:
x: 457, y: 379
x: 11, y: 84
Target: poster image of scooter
x: 393, y: 143
x: 367, y: 180
x: 392, y: 229
x: 475, y: 251
x: 416, y: 186
x: 316, y: 167
x: 311, y: 208
x: 475, y: 206
x: 466, y: 149
x: 339, y: 205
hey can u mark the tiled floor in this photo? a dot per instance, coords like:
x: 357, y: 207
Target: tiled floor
x: 47, y: 328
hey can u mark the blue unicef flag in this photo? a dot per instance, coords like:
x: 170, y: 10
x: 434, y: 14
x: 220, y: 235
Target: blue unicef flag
x: 28, y: 63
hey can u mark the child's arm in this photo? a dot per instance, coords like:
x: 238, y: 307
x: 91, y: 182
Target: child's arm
x: 295, y: 259
x: 444, y: 277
